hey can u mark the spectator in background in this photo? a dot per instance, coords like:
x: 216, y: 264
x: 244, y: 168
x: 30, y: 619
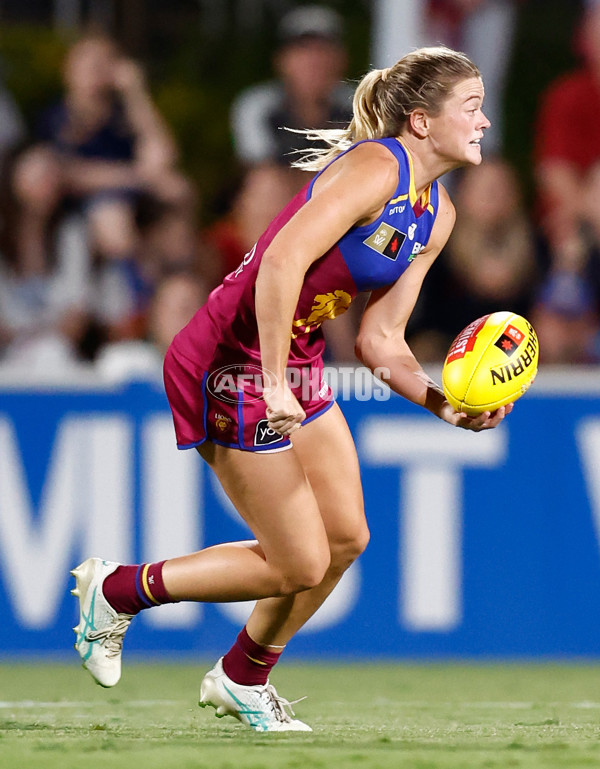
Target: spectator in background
x: 484, y: 30
x: 567, y: 167
x: 44, y: 315
x: 12, y: 126
x: 489, y: 262
x: 308, y: 93
x: 568, y: 144
x: 102, y: 149
x: 168, y: 239
x: 177, y: 297
x: 263, y: 191
x: 565, y: 318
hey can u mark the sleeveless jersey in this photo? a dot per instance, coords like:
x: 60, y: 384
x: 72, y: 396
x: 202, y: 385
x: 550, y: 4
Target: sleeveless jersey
x: 225, y: 330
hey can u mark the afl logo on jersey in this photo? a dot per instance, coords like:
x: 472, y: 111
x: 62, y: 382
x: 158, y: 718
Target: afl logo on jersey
x: 386, y: 240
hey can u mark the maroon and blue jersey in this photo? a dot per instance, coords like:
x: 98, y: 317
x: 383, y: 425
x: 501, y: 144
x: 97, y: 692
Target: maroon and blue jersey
x: 365, y: 258
x: 209, y: 368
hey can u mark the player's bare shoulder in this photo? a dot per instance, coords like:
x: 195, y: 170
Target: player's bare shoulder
x: 373, y: 162
x: 368, y: 174
x: 369, y: 163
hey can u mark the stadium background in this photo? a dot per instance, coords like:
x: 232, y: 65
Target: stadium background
x: 482, y: 546
x: 486, y: 549
x: 200, y: 53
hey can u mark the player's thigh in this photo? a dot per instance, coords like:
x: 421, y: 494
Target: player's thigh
x: 326, y: 450
x: 273, y: 496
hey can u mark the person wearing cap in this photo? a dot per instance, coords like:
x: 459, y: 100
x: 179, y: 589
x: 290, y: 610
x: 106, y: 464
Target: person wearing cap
x: 309, y: 62
x: 567, y: 176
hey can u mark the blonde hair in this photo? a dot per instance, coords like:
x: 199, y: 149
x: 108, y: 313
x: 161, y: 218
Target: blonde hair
x: 385, y: 98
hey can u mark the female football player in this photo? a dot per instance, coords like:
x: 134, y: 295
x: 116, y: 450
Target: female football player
x: 373, y: 219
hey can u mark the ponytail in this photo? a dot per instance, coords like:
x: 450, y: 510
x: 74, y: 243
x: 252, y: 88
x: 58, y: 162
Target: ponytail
x: 385, y: 98
x: 366, y: 123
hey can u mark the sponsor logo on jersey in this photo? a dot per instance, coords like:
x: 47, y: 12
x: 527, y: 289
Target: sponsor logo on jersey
x: 416, y: 250
x: 386, y: 240
x: 246, y: 260
x: 396, y: 210
x: 265, y: 434
x: 324, y: 389
x: 222, y: 422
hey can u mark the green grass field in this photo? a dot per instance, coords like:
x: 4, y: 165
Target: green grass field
x: 438, y: 716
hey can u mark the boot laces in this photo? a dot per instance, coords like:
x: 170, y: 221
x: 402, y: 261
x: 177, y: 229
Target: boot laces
x: 280, y: 705
x: 111, y: 637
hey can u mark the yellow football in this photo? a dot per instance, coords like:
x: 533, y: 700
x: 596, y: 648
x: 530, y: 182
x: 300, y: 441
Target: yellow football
x: 491, y: 362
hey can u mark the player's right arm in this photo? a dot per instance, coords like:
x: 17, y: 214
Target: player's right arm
x: 352, y: 191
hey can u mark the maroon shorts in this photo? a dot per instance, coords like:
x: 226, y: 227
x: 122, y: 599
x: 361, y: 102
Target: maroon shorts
x: 226, y: 406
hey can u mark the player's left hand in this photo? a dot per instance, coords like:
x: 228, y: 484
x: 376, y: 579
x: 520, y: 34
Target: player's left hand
x: 484, y: 421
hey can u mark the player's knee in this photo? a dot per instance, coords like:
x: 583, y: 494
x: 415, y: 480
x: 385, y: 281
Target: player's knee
x: 360, y: 541
x: 346, y: 550
x: 304, y: 574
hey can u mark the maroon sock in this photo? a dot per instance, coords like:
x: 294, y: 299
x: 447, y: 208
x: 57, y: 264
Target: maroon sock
x: 129, y: 589
x: 247, y: 662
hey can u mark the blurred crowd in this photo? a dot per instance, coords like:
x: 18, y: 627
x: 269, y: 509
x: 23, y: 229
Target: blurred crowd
x: 104, y: 254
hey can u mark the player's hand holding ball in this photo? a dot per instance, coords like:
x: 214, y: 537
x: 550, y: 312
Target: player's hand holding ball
x: 484, y: 421
x: 490, y: 364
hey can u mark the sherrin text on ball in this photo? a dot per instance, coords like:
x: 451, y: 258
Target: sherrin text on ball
x: 492, y: 362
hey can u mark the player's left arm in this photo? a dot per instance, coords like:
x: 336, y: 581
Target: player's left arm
x: 381, y: 342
